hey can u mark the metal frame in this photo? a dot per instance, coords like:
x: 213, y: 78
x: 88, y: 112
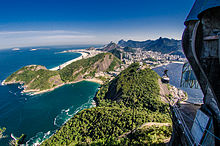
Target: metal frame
x: 188, y: 83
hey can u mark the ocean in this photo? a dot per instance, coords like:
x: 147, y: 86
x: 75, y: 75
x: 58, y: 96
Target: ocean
x: 39, y: 116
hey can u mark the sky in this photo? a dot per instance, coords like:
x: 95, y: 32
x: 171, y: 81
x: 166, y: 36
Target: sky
x: 84, y: 22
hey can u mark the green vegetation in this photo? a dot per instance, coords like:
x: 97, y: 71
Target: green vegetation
x: 133, y: 85
x: 123, y: 104
x: 36, y: 77
x: 104, y: 79
x: 114, y: 63
x: 153, y: 135
x: 72, y: 71
x: 2, y: 130
x: 90, y: 66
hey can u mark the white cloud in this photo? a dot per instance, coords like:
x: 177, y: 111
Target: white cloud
x: 67, y: 37
x: 9, y: 39
x: 39, y: 32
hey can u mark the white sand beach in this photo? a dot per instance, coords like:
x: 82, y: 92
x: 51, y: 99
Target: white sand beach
x: 83, y: 55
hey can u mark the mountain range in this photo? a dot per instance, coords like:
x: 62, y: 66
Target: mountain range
x: 163, y: 45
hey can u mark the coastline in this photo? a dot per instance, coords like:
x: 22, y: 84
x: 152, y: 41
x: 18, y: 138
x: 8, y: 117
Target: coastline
x: 93, y: 104
x: 3, y: 83
x: 36, y: 91
x: 95, y: 80
x: 83, y: 55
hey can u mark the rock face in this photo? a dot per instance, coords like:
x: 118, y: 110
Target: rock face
x: 167, y: 90
x: 178, y: 93
x: 104, y: 64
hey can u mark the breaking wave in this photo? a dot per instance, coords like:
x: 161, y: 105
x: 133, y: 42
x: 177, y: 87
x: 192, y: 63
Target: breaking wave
x: 39, y: 138
x: 60, y: 120
x: 66, y: 114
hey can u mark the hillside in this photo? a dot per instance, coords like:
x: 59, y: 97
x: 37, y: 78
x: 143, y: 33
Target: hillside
x: 36, y: 78
x: 123, y: 105
x: 87, y: 68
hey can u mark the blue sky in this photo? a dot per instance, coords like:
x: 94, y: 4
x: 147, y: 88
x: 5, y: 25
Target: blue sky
x: 60, y: 22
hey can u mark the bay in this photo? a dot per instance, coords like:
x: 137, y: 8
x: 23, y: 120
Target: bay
x: 39, y: 116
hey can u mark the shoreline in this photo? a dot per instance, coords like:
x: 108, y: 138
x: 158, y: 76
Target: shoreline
x: 2, y: 83
x: 94, y: 80
x: 36, y: 91
x: 83, y: 55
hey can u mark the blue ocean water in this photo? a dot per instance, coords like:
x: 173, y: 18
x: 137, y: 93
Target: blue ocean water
x: 39, y: 116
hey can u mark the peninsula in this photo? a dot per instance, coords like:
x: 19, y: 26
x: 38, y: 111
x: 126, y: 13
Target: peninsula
x: 36, y: 79
x: 131, y: 108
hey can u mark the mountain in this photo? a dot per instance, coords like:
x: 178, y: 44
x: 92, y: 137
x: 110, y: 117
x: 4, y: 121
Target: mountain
x: 163, y: 45
x: 117, y: 50
x: 37, y: 78
x: 128, y: 102
x: 133, y: 44
x: 111, y: 46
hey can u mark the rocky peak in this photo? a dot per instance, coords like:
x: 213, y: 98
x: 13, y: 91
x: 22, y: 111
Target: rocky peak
x: 110, y: 46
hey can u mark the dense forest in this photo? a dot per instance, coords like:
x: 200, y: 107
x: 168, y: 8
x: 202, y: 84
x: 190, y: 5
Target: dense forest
x: 123, y: 105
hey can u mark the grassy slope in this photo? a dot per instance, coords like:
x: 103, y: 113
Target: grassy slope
x: 86, y: 65
x: 34, y: 79
x: 136, y: 96
x: 40, y: 79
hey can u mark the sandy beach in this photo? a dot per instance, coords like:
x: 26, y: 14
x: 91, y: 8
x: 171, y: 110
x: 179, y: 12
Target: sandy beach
x: 36, y: 92
x: 83, y: 55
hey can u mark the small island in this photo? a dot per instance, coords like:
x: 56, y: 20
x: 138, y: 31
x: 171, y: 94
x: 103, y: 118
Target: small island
x: 36, y: 79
